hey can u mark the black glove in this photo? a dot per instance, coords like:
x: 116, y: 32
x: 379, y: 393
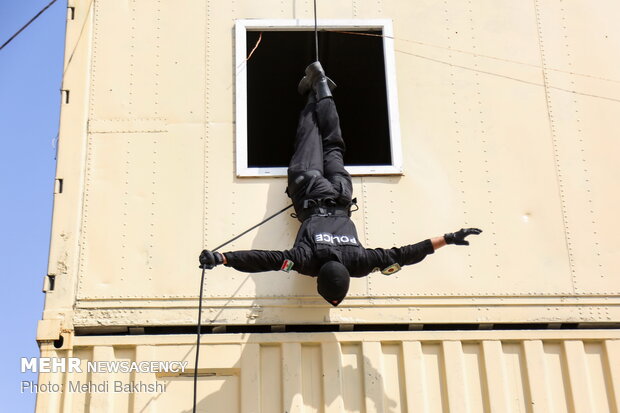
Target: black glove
x: 458, y: 237
x: 208, y: 259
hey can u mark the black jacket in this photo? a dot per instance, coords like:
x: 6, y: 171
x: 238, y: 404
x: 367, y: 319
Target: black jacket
x: 325, y: 238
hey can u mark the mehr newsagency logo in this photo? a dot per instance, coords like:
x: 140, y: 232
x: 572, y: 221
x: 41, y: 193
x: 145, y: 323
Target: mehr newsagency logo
x: 111, y: 367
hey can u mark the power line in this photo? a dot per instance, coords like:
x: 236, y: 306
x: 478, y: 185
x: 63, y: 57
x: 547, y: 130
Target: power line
x: 27, y: 24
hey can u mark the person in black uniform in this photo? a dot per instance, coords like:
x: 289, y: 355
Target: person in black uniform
x: 327, y: 245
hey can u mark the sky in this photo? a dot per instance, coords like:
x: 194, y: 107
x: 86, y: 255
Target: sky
x: 30, y: 82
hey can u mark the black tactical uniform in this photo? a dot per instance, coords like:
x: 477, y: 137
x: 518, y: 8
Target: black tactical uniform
x: 327, y: 245
x: 321, y: 191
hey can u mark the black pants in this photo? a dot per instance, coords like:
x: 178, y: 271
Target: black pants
x: 316, y: 172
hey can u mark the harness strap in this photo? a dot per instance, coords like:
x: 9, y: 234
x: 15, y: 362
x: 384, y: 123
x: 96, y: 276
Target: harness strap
x: 326, y: 208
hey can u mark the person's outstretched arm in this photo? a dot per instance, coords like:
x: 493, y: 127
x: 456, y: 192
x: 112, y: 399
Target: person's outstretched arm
x: 252, y: 260
x: 390, y: 260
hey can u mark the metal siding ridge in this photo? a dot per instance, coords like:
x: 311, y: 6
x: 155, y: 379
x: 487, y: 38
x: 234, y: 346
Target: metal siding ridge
x: 612, y: 363
x: 579, y: 377
x: 271, y: 378
x: 415, y: 380
x: 393, y: 377
x: 67, y: 398
x: 332, y: 377
x: 312, y: 377
x: 495, y: 376
x: 292, y: 398
x: 455, y: 376
x: 49, y: 401
x: 250, y: 379
x: 536, y: 373
x: 142, y: 401
x: 373, y: 376
x: 101, y: 402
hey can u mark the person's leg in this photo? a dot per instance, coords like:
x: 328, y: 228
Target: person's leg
x: 333, y: 150
x: 305, y: 171
x: 308, y: 154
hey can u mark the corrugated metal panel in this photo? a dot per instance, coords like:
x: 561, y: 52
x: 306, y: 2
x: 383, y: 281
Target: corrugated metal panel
x: 527, y: 371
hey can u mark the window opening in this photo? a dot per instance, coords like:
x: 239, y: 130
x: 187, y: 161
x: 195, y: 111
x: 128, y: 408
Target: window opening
x: 268, y: 104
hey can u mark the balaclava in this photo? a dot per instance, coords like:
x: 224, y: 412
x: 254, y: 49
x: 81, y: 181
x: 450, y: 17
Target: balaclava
x: 333, y: 282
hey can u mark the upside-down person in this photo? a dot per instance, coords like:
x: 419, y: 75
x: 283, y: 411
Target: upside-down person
x: 327, y: 246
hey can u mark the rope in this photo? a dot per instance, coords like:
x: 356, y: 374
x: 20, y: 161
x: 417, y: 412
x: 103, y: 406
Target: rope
x: 250, y: 229
x: 316, y: 35
x: 202, y: 282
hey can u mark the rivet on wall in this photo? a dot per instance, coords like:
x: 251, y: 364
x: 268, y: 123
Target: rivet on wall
x: 207, y: 105
x: 583, y: 153
x: 157, y: 56
x: 132, y: 48
x: 554, y: 141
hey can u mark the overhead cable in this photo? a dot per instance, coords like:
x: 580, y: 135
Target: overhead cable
x: 27, y: 24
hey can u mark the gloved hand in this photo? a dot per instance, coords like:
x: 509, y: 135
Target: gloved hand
x: 208, y: 259
x: 458, y: 237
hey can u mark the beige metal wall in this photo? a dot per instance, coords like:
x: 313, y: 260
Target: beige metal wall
x: 509, y: 122
x: 458, y: 372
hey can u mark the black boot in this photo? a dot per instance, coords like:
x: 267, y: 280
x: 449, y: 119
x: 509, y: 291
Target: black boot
x: 316, y: 80
x: 323, y: 88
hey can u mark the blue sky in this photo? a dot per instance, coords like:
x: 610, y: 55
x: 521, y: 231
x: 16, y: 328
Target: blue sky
x: 30, y: 79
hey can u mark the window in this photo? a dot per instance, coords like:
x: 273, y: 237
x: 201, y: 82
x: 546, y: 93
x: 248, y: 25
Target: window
x: 267, y: 103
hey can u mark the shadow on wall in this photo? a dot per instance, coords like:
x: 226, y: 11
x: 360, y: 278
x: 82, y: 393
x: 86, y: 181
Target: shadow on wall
x: 285, y: 377
x: 267, y: 291
x: 150, y: 404
x: 278, y: 234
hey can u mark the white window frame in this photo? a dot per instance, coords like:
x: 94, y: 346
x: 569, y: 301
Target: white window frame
x: 385, y: 25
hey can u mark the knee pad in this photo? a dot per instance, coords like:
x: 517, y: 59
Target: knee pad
x: 343, y: 187
x: 299, y: 181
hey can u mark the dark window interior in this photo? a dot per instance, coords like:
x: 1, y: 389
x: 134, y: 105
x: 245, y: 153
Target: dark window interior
x: 354, y: 62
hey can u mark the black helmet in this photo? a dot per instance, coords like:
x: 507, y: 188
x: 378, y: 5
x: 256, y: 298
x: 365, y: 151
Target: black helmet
x: 333, y: 282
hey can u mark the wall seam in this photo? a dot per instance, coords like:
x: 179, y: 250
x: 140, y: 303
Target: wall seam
x: 365, y: 221
x: 132, y: 48
x: 458, y: 145
x: 554, y: 143
x: 154, y: 192
x: 154, y: 175
x: 483, y: 140
x: 207, y: 79
x: 582, y: 153
x: 88, y: 156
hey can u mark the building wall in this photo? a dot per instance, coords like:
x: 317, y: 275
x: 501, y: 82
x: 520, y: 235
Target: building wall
x: 508, y: 123
x: 507, y: 119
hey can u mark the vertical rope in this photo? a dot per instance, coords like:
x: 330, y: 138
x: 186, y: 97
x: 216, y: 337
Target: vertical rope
x: 316, y: 35
x: 198, y: 332
x: 202, y: 283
